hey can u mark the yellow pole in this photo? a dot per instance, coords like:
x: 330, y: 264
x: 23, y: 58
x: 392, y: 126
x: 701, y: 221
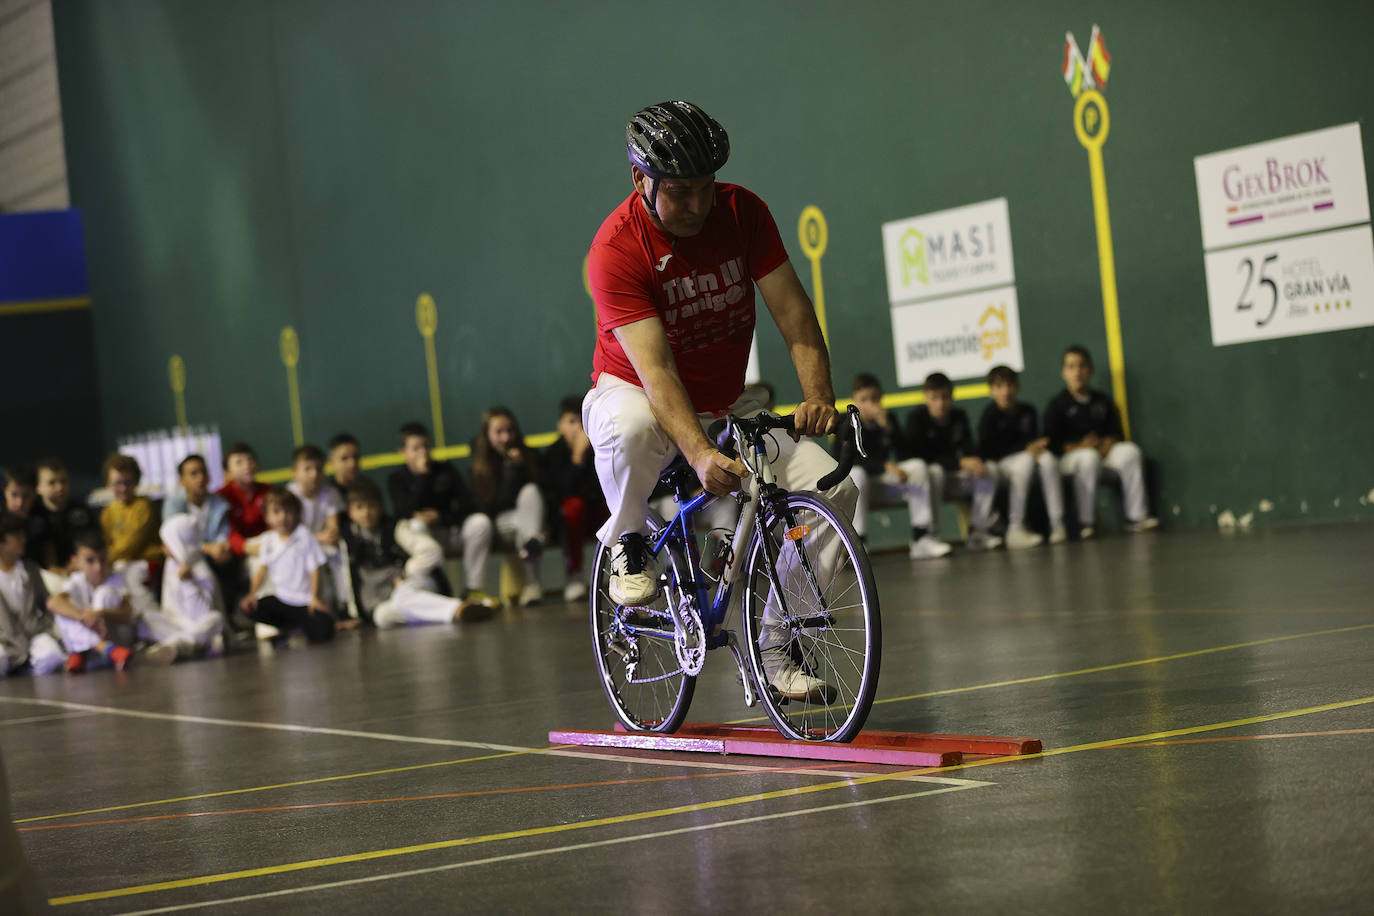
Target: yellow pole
x: 290, y: 346
x: 176, y: 374
x: 814, y: 235
x: 427, y: 320
x: 1091, y: 122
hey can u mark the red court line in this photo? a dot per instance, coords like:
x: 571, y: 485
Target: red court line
x: 1339, y: 731
x: 405, y: 798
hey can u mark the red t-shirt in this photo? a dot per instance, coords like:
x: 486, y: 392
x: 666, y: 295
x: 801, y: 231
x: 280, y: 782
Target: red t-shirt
x: 702, y: 288
x: 246, y: 518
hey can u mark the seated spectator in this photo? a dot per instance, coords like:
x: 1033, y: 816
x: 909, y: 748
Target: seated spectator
x: 569, y: 477
x: 938, y: 433
x: 195, y: 536
x: 345, y: 458
x: 245, y: 496
x: 56, y: 519
x: 96, y: 617
x: 391, y: 566
x: 129, y: 522
x: 1084, y: 429
x: 505, y: 489
x: 20, y: 491
x: 320, y: 502
x: 290, y: 560
x: 1007, y: 437
x: 26, y: 625
x: 907, y: 480
x: 433, y: 493
x: 20, y: 496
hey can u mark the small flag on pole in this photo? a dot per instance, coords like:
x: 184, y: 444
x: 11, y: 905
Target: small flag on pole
x: 1099, y: 61
x: 1076, y: 76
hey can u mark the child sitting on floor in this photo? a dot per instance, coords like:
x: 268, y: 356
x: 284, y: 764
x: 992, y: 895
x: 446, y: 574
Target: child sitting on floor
x: 391, y: 566
x: 95, y: 616
x: 290, y: 559
x: 26, y: 637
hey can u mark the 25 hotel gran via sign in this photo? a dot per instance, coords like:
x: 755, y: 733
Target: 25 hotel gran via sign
x: 951, y: 286
x: 1286, y: 236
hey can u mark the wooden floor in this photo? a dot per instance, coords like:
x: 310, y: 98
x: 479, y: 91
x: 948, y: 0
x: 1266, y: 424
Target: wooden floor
x: 1206, y: 705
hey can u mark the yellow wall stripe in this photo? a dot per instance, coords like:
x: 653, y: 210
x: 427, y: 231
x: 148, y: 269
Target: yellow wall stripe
x: 39, y: 306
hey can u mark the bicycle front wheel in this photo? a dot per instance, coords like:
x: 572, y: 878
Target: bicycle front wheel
x: 811, y: 620
x: 639, y: 669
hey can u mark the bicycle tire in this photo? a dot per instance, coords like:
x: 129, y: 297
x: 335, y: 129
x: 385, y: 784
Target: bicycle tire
x: 656, y: 705
x: 846, y: 653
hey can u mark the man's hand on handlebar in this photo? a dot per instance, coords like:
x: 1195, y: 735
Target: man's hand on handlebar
x: 813, y: 417
x: 718, y: 474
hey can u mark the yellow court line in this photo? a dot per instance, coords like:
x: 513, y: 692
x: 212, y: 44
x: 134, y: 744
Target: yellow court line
x: 202, y: 880
x: 1114, y: 667
x: 40, y: 306
x: 281, y: 785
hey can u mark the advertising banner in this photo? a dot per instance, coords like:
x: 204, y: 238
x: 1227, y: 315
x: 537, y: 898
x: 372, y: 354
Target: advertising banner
x: 947, y: 252
x: 961, y: 336
x: 1303, y: 183
x: 1304, y: 285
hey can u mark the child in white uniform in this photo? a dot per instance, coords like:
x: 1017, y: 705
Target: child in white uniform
x: 96, y: 618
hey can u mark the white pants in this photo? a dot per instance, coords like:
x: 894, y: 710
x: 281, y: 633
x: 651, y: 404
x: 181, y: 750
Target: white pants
x: 632, y: 450
x: 1017, y: 472
x: 193, y: 608
x: 1086, y: 466
x: 978, y: 490
x: 46, y: 655
x: 514, y: 528
x: 915, y: 490
x: 414, y: 602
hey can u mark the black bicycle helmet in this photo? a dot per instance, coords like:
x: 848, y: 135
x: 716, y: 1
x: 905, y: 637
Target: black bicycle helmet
x: 675, y: 140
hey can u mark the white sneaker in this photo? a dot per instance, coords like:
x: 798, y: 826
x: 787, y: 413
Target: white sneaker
x: 629, y: 584
x: 1018, y: 538
x: 575, y: 590
x: 216, y: 647
x: 1058, y: 535
x: 928, y: 548
x: 792, y: 682
x: 532, y: 593
x: 1148, y: 523
x: 1086, y: 533
x: 981, y: 540
x: 163, y: 653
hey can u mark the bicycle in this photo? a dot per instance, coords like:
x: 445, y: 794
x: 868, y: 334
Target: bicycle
x: 810, y: 599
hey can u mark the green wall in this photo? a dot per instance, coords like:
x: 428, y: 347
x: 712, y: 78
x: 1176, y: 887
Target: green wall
x: 244, y: 165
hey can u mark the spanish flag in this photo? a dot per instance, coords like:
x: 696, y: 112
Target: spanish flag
x: 1073, y: 66
x: 1099, y: 60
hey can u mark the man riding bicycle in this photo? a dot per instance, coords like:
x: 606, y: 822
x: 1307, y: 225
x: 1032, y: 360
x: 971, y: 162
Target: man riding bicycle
x: 672, y: 272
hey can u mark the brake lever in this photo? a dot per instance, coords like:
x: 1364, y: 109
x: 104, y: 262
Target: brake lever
x: 858, y: 430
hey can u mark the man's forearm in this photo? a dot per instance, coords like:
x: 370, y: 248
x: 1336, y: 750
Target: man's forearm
x: 813, y: 367
x: 673, y: 410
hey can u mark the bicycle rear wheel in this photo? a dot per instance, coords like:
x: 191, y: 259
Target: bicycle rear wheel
x: 810, y: 614
x: 639, y: 670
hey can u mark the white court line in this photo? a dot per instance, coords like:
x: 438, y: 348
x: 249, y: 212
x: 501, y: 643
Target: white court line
x: 48, y: 718
x: 270, y: 726
x: 451, y: 742
x: 573, y: 847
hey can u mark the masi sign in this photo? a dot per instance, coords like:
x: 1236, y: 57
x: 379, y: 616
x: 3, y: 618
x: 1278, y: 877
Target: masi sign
x: 933, y: 263
x: 948, y: 252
